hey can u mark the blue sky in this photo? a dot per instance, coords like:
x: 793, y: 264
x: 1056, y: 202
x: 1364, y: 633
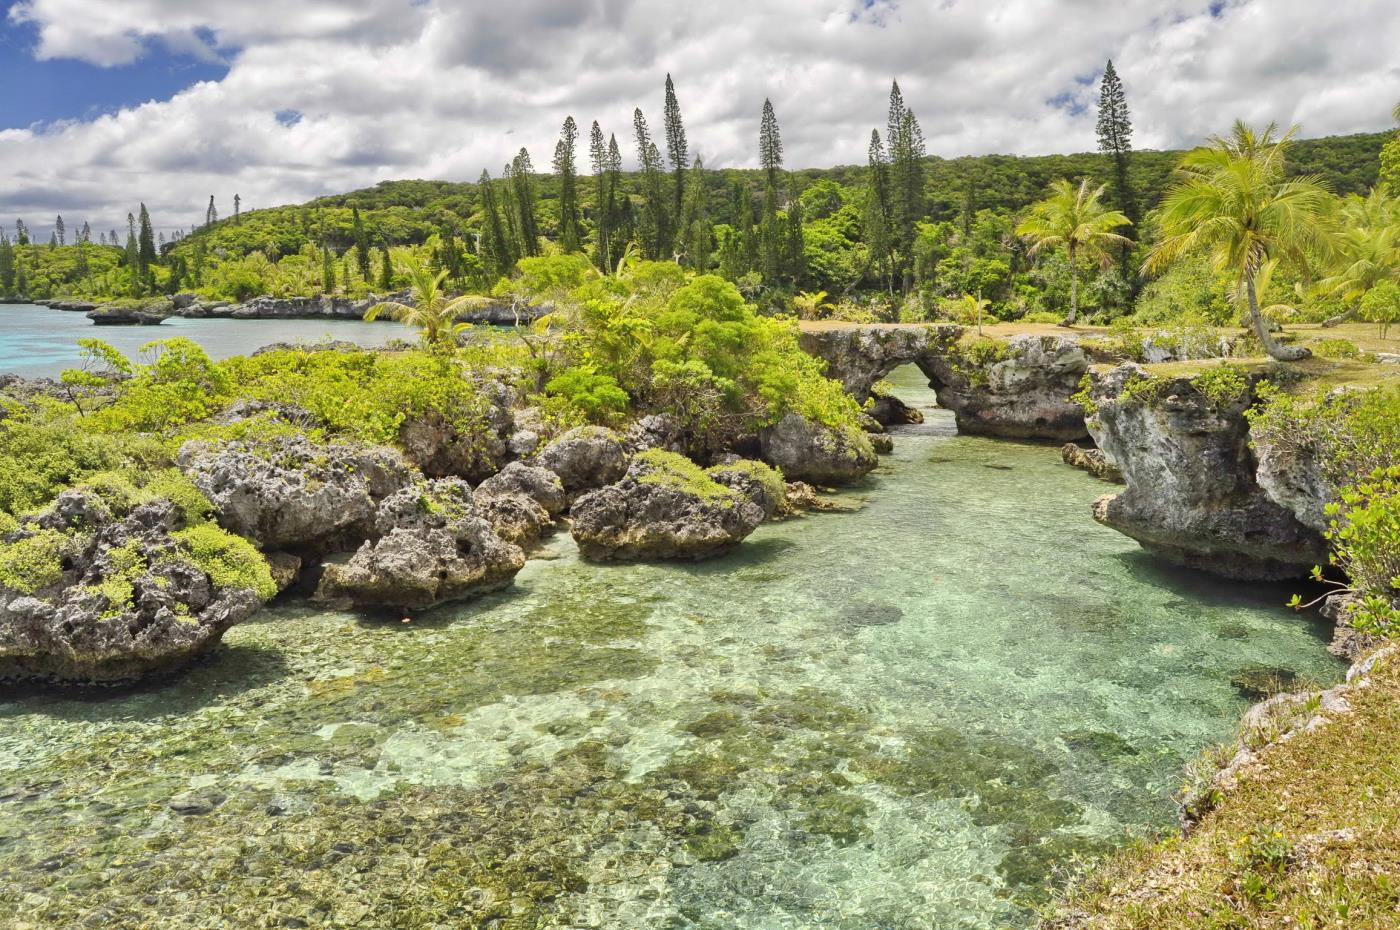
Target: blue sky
x: 115, y: 102
x: 67, y: 88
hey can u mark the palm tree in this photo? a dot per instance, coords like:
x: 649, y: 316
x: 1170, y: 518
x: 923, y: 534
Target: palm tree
x: 1234, y: 202
x: 811, y: 306
x: 1368, y: 249
x: 1076, y: 219
x: 431, y: 312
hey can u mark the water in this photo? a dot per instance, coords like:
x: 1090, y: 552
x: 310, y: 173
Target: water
x: 40, y: 342
x: 900, y: 718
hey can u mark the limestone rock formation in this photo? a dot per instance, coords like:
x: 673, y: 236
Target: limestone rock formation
x: 432, y: 545
x: 521, y: 502
x: 585, y: 458
x: 859, y: 356
x: 1020, y: 389
x: 1094, y: 461
x: 292, y: 493
x: 808, y: 451
x: 89, y: 596
x: 1192, y: 496
x: 666, y: 507
x: 443, y: 450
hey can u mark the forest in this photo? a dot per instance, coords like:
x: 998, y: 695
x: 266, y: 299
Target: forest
x: 906, y: 236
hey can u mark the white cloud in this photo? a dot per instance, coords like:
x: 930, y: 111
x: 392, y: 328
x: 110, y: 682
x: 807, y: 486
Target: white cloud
x: 393, y: 88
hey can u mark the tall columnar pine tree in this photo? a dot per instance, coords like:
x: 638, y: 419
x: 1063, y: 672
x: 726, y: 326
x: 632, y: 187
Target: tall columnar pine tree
x: 22, y: 233
x: 677, y: 151
x: 1115, y: 129
x: 59, y: 230
x: 327, y: 270
x: 361, y: 238
x: 905, y: 150
x: 1077, y: 220
x: 522, y: 172
x: 495, y: 249
x: 146, y: 245
x: 570, y: 232
x: 770, y: 158
x: 604, y: 198
x: 85, y: 234
x: 386, y: 270
x: 237, y: 209
x: 795, y: 253
x: 695, y: 233
x: 7, y: 266
x: 878, y: 237
x: 653, y: 233
x: 211, y: 213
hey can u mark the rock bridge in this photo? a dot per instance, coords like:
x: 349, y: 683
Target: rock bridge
x: 1018, y: 389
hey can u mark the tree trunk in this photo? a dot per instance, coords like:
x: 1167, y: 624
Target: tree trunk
x: 1073, y: 290
x: 1276, y: 349
x: 1343, y: 317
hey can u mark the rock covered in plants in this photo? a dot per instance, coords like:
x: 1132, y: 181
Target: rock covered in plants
x: 472, y: 444
x: 807, y: 451
x: 99, y: 593
x: 666, y: 507
x: 291, y: 493
x: 431, y: 545
x: 585, y: 458
x: 1182, y: 445
x: 1019, y: 389
x: 762, y: 485
x: 1094, y: 461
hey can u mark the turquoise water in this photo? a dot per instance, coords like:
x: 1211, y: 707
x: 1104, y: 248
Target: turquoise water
x: 39, y: 342
x: 900, y: 718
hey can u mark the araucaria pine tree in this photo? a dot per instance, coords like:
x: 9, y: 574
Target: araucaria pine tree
x: 495, y: 247
x: 522, y: 181
x: 905, y: 149
x: 570, y: 234
x: 357, y: 231
x: 878, y: 238
x: 327, y: 270
x: 677, y: 152
x: 237, y: 209
x: 59, y: 231
x: 653, y: 234
x: 1115, y: 130
x: 770, y: 233
x: 604, y: 194
x: 211, y: 214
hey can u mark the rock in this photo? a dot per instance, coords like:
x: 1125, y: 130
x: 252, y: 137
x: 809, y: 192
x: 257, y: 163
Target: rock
x: 117, y: 315
x: 114, y: 597
x: 286, y: 569
x: 1191, y: 495
x: 889, y: 410
x: 807, y: 451
x: 585, y: 458
x: 196, y: 803
x: 442, y: 450
x: 432, y: 545
x: 1348, y: 642
x: 762, y: 485
x: 859, y: 356
x: 515, y: 518
x: 1020, y: 389
x: 882, y: 443
x: 666, y: 507
x: 294, y: 494
x: 1388, y: 358
x: 531, y: 481
x: 1094, y: 461
x: 655, y: 431
x: 1292, y: 478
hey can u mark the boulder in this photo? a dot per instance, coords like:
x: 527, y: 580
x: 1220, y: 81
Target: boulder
x: 888, y: 410
x: 1291, y: 475
x: 808, y: 451
x: 118, y: 315
x: 442, y: 450
x: 1191, y: 495
x: 1094, y: 461
x: 538, y: 484
x: 291, y: 493
x: 655, y: 431
x: 431, y: 545
x: 89, y: 596
x: 585, y: 458
x: 1019, y: 389
x: 666, y: 507
x: 762, y: 485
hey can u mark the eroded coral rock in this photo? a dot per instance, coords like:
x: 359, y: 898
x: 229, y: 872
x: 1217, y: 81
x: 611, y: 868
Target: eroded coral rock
x: 585, y: 458
x: 808, y: 451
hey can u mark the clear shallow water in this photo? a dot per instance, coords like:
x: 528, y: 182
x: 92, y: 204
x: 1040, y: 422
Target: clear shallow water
x: 40, y: 342
x: 897, y: 718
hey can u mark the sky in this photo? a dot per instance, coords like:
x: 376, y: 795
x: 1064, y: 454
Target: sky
x: 108, y: 103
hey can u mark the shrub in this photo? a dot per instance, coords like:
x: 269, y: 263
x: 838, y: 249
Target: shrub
x: 231, y: 562
x: 33, y: 562
x: 1381, y: 305
x: 675, y: 471
x: 1335, y: 348
x: 597, y: 396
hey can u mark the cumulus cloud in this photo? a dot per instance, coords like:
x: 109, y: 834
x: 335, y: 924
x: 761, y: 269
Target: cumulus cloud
x: 406, y: 88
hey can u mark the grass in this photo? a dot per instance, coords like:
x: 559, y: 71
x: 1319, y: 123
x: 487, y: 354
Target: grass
x: 1308, y: 839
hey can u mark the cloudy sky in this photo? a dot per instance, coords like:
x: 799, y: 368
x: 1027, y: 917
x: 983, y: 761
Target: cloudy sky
x: 108, y: 102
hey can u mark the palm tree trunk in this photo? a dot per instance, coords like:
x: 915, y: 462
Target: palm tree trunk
x: 1277, y: 350
x: 1340, y: 318
x: 1073, y: 290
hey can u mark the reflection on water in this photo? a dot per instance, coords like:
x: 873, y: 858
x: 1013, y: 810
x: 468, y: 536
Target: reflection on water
x: 898, y: 718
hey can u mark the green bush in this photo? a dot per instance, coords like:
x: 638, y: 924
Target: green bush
x: 231, y: 562
x: 34, y: 562
x: 597, y: 396
x: 1335, y: 348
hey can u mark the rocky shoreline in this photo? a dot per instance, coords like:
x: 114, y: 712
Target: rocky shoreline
x: 153, y: 312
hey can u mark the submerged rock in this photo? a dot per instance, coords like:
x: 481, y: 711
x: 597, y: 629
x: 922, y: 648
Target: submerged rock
x: 432, y: 545
x: 808, y: 451
x: 1191, y: 491
x: 1019, y: 389
x: 292, y: 493
x: 666, y: 507
x: 585, y: 458
x: 88, y: 596
x: 1094, y: 461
